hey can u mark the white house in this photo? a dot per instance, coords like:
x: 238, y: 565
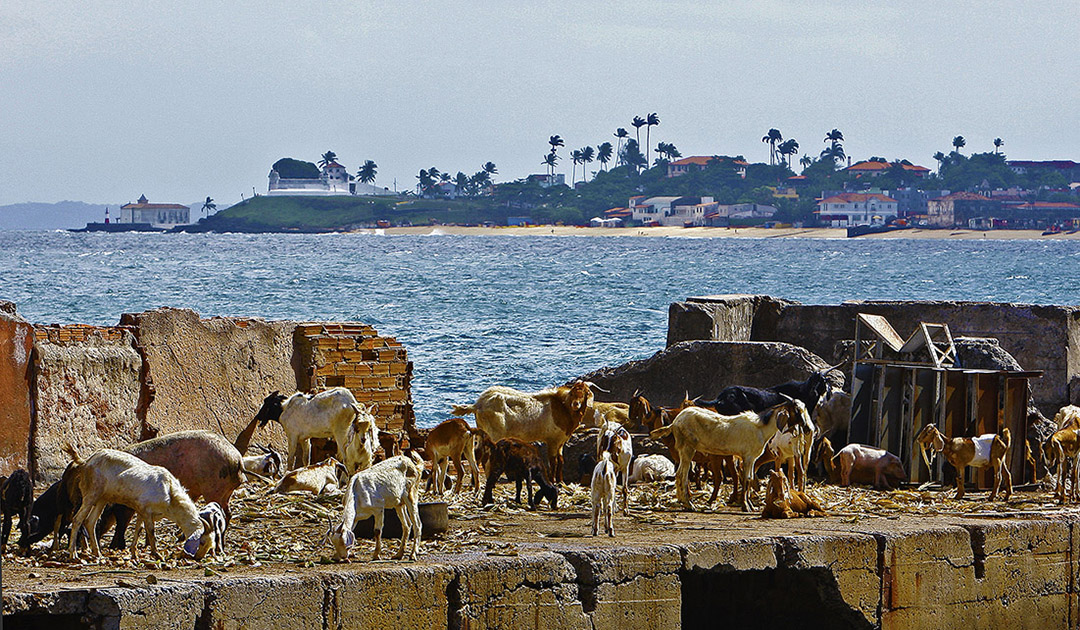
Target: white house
x: 690, y: 214
x: 850, y: 209
x: 333, y: 179
x: 161, y: 215
x: 656, y: 209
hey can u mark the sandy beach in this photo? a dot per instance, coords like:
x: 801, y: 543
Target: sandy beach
x: 717, y: 232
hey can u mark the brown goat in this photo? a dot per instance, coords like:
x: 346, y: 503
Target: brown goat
x: 448, y: 442
x: 985, y: 451
x: 1062, y: 449
x: 520, y: 461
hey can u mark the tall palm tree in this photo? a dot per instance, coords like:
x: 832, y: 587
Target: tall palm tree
x: 367, y: 172
x: 207, y: 207
x: 575, y: 155
x: 958, y: 142
x: 998, y: 143
x: 638, y: 123
x: 550, y: 160
x: 603, y: 154
x: 650, y: 121
x: 806, y: 161
x: 621, y: 134
x: 443, y: 177
x: 835, y: 150
x: 787, y: 149
x: 327, y: 158
x: 425, y: 182
x: 772, y: 138
x: 555, y: 142
x: 587, y: 155
x: 834, y: 136
x: 434, y: 173
x: 461, y: 182
x: 490, y: 169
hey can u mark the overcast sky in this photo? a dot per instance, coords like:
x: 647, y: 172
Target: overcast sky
x: 104, y: 101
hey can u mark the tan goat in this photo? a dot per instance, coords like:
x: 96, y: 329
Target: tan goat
x: 986, y: 451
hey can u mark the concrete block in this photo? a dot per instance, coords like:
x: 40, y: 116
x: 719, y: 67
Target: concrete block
x: 853, y: 562
x: 164, y: 607
x: 281, y: 603
x: 16, y: 346
x: 87, y: 394
x: 388, y: 597
x: 629, y: 585
x: 928, y: 569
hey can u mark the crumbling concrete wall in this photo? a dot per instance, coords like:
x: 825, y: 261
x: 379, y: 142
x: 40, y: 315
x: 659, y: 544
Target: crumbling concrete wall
x: 86, y: 389
x: 16, y: 345
x: 1043, y: 338
x: 212, y: 373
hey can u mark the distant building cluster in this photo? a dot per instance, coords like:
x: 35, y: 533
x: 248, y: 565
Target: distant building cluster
x: 333, y: 180
x: 158, y: 215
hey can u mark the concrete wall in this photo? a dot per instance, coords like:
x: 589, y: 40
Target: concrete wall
x: 878, y: 573
x: 1043, y: 338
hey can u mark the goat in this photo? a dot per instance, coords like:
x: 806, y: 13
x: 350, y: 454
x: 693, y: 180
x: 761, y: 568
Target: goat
x: 213, y: 518
x: 520, y: 461
x: 603, y: 493
x: 858, y: 463
x: 738, y: 398
x: 646, y: 416
x: 987, y: 450
x: 391, y: 483
x: 616, y: 412
x: 55, y: 508
x: 325, y: 476
x: 328, y: 414
x: 791, y: 447
x: 17, y: 499
x: 268, y: 464
x: 782, y: 501
x: 1063, y: 449
x: 833, y: 414
x: 110, y: 476
x: 448, y: 442
x: 615, y: 440
x: 744, y: 435
x: 1069, y: 415
x: 549, y: 416
x: 391, y: 443
x: 651, y: 468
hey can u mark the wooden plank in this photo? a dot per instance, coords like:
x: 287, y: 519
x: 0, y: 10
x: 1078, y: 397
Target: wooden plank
x: 882, y: 329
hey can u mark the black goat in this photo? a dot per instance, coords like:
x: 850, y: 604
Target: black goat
x: 738, y: 398
x: 520, y: 461
x: 17, y: 499
x: 55, y: 508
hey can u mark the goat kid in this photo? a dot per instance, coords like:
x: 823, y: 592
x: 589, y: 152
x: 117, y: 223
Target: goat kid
x: 268, y: 464
x: 986, y: 451
x: 649, y: 468
x: 447, y: 442
x: 326, y: 476
x: 17, y: 499
x: 520, y: 461
x: 603, y: 494
x: 213, y: 518
x: 615, y: 440
x: 56, y: 507
x: 782, y: 501
x: 391, y: 483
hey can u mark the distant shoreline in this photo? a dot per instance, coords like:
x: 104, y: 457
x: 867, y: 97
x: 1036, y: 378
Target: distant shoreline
x: 718, y: 232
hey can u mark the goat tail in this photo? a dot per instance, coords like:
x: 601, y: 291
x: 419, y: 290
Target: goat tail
x: 660, y: 433
x: 73, y: 454
x: 464, y: 410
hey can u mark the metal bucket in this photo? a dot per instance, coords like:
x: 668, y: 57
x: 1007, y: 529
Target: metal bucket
x: 433, y: 516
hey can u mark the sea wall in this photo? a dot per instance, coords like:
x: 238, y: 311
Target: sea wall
x: 1045, y: 338
x: 885, y: 574
x: 169, y: 370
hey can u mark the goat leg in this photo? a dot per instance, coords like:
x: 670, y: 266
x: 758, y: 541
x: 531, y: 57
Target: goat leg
x: 379, y: 516
x: 406, y: 527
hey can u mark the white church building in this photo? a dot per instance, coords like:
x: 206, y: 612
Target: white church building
x: 333, y: 180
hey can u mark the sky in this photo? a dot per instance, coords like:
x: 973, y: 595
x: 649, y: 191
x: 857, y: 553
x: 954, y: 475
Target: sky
x: 104, y: 101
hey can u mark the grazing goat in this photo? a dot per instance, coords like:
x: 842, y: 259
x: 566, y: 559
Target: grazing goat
x: 326, y: 476
x: 649, y: 468
x: 268, y: 464
x: 520, y: 461
x: 17, y: 499
x: 448, y: 442
x: 603, y: 493
x: 858, y: 463
x: 615, y: 440
x: 1063, y: 450
x: 56, y: 507
x: 549, y: 416
x: 392, y: 483
x: 744, y: 435
x: 213, y: 518
x: 987, y: 450
x: 781, y: 501
x: 328, y: 414
x: 110, y: 476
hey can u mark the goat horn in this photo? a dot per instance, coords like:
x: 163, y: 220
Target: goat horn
x: 596, y: 387
x: 831, y: 368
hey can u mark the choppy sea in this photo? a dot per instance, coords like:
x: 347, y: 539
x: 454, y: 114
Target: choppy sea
x: 523, y: 311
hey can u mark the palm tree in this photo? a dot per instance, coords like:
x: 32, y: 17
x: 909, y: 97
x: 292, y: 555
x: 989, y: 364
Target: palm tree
x: 834, y: 153
x: 806, y: 161
x: 327, y: 158
x: 425, y: 182
x: 632, y: 156
x: 575, y: 155
x: 550, y: 160
x: 958, y: 142
x: 638, y: 123
x: 651, y: 120
x: 208, y: 206
x: 555, y: 142
x: 587, y: 155
x: 367, y: 172
x: 998, y: 143
x: 940, y: 157
x: 434, y: 173
x: 834, y: 136
x: 461, y: 182
x: 774, y: 136
x: 443, y: 177
x: 787, y: 149
x: 621, y: 134
x: 490, y: 169
x: 603, y: 154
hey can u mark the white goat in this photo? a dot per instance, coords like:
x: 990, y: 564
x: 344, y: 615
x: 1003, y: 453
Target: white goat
x: 792, y: 447
x: 268, y: 464
x: 744, y: 435
x: 615, y: 439
x: 325, y: 476
x: 214, y: 518
x: 328, y: 414
x: 110, y: 476
x: 392, y: 483
x: 603, y: 493
x: 651, y: 468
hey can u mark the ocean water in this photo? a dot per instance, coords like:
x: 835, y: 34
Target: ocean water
x: 523, y: 311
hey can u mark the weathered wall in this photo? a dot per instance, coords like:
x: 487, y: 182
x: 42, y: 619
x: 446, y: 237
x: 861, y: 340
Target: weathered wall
x: 87, y: 390
x: 16, y: 345
x: 1043, y: 338
x: 211, y: 373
